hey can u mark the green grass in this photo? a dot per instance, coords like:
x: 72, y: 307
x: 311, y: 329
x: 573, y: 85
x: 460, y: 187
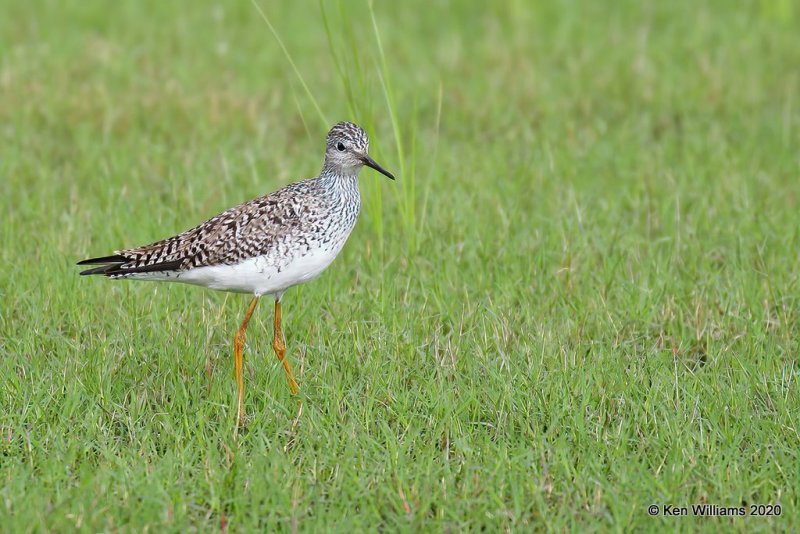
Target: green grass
x: 580, y: 298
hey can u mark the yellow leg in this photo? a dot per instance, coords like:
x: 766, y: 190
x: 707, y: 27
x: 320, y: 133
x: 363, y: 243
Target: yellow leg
x: 280, y: 348
x: 238, y: 348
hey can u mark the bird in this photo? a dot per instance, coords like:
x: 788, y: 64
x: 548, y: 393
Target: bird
x: 264, y: 246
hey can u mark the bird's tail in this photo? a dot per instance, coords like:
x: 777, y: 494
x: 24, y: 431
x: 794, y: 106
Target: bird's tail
x: 107, y: 263
x: 118, y: 265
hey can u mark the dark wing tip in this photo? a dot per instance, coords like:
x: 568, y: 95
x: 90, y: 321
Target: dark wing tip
x: 98, y: 270
x: 116, y: 258
x: 119, y: 269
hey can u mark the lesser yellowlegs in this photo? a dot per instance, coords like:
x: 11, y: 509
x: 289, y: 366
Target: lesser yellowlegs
x: 264, y: 246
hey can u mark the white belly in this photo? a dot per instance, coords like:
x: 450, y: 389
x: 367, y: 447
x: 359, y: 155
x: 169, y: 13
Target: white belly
x: 258, y: 275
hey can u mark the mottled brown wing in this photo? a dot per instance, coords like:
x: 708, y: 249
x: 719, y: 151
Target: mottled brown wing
x: 244, y: 231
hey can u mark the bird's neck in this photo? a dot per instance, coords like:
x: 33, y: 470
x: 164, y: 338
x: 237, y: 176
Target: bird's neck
x: 343, y: 196
x: 336, y: 182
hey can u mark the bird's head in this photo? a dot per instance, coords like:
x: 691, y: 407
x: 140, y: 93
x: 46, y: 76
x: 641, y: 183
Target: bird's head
x: 348, y: 150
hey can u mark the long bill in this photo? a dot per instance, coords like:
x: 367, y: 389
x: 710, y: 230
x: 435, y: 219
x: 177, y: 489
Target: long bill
x: 369, y: 162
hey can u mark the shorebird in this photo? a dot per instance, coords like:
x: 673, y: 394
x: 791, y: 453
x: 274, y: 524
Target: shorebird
x: 264, y: 246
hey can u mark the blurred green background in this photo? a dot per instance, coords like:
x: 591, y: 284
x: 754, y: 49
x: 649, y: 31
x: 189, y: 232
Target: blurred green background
x: 580, y: 297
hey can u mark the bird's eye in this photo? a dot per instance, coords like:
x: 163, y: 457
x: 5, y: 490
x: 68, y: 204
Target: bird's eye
x: 340, y: 146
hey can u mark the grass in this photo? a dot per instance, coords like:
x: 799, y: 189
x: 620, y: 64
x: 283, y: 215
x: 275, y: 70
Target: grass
x: 580, y: 298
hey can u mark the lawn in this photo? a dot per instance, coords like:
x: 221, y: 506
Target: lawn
x: 580, y: 297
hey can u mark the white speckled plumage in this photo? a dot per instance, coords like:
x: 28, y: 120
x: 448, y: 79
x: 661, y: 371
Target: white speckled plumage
x: 268, y: 244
